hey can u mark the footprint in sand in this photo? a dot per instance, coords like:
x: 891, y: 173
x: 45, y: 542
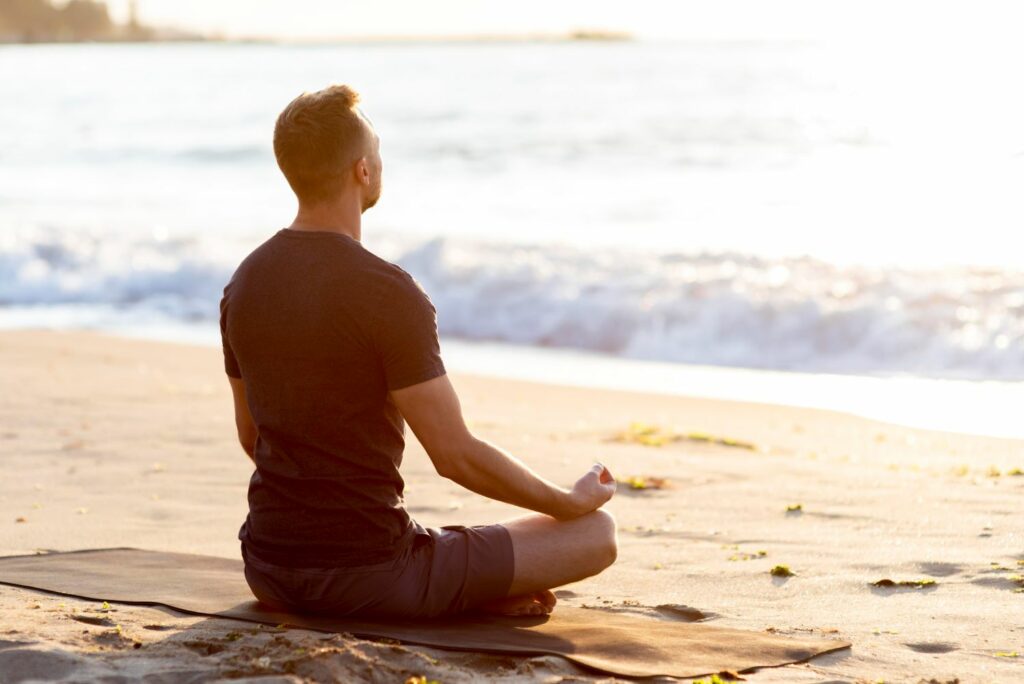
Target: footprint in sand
x: 94, y: 620
x: 938, y: 568
x: 676, y: 611
x: 684, y: 612
x: 205, y: 648
x: 930, y: 646
x: 1013, y: 582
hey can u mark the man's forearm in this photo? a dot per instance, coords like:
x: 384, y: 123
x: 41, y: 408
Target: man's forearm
x: 492, y: 472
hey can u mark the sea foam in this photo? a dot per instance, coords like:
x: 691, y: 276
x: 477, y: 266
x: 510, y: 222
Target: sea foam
x: 722, y: 309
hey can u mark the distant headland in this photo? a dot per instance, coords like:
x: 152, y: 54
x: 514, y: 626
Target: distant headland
x: 76, y: 21
x: 80, y: 21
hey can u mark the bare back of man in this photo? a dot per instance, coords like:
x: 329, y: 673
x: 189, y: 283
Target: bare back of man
x: 569, y: 537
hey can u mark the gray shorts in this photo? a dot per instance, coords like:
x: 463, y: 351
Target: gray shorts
x: 443, y: 571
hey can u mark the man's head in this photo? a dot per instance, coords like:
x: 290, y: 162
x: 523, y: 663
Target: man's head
x: 326, y: 147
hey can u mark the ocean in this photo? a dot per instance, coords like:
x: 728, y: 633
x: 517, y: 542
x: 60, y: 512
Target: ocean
x: 760, y: 216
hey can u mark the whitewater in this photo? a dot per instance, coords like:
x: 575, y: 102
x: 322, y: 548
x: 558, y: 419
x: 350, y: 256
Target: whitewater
x: 711, y: 309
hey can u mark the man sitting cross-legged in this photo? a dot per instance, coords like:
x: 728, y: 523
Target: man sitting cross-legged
x: 330, y: 350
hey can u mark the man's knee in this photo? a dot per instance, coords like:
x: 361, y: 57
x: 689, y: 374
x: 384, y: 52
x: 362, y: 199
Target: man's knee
x: 606, y: 547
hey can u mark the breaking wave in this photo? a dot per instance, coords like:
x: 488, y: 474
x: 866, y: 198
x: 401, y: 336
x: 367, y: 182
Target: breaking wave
x: 722, y: 309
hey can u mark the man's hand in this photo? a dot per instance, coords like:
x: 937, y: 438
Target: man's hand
x: 593, y: 490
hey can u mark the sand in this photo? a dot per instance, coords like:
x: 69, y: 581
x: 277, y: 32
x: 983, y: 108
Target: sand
x: 115, y: 442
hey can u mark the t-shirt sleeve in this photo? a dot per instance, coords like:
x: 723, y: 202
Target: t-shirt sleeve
x: 405, y: 334
x: 230, y: 362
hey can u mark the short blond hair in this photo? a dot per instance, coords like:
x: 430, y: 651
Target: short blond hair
x: 317, y: 138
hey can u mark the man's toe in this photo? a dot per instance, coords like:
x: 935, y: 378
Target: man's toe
x: 547, y: 599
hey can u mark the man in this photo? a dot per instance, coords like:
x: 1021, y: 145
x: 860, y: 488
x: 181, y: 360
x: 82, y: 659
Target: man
x: 329, y: 350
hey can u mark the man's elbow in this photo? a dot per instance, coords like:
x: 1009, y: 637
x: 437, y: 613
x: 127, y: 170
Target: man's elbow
x: 447, y: 466
x: 450, y: 462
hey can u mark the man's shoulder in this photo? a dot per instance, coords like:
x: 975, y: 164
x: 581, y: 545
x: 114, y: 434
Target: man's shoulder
x: 391, y: 278
x: 405, y: 279
x: 402, y: 286
x: 375, y: 274
x: 260, y: 253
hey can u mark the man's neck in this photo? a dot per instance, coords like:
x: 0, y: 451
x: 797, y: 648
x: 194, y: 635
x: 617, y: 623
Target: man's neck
x: 338, y: 217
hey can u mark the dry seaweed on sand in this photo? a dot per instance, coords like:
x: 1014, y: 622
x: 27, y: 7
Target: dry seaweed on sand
x: 961, y: 470
x: 743, y: 556
x: 795, y: 508
x: 996, y: 566
x: 647, y: 482
x: 720, y: 678
x: 682, y: 611
x: 916, y: 584
x: 648, y: 434
x: 643, y: 433
x: 724, y: 441
x: 781, y: 571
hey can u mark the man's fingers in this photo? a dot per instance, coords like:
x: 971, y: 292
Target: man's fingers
x: 610, y: 487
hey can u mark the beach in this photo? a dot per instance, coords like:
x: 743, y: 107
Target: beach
x: 113, y: 442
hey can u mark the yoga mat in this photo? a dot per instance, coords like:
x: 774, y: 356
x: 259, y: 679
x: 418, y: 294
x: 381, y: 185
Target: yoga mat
x: 612, y: 643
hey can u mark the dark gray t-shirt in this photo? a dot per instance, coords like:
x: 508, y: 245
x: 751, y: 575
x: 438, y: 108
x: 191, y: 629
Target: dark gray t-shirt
x: 321, y: 329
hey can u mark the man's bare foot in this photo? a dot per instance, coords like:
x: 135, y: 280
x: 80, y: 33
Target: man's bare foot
x: 537, y: 603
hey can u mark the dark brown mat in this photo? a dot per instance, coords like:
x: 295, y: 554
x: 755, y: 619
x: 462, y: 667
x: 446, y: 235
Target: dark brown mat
x: 613, y: 643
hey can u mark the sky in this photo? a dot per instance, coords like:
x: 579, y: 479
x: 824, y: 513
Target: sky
x: 658, y: 19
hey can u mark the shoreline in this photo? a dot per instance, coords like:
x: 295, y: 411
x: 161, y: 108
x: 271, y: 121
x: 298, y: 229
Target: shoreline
x: 111, y: 441
x: 905, y: 401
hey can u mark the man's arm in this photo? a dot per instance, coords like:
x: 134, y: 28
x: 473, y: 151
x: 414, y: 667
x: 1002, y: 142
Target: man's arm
x: 243, y: 419
x: 432, y: 410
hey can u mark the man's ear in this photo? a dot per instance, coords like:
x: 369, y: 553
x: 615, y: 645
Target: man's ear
x: 362, y: 171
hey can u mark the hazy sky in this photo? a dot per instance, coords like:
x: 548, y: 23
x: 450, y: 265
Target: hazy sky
x: 710, y: 19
